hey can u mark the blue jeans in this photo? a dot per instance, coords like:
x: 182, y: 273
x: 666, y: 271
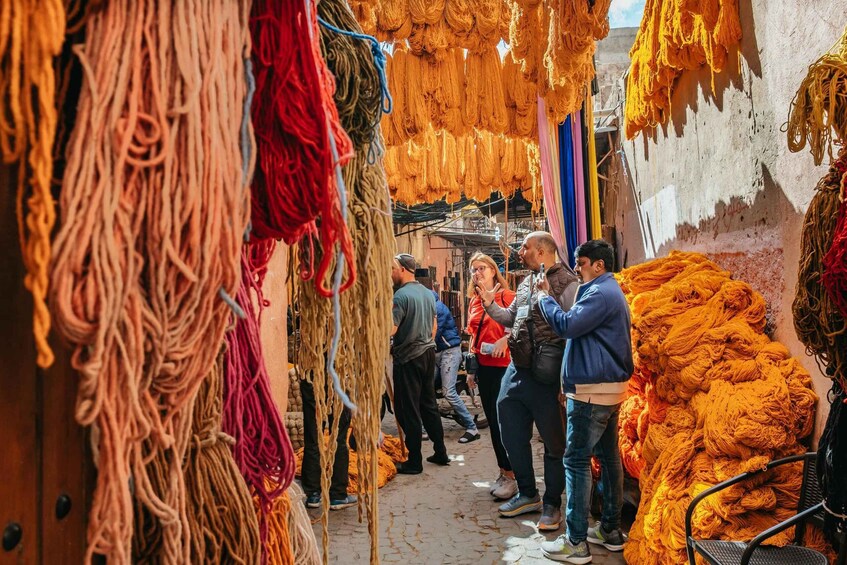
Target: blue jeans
x: 522, y: 401
x: 592, y: 428
x: 447, y: 365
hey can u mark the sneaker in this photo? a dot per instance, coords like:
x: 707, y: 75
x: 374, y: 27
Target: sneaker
x: 561, y: 549
x: 520, y: 504
x: 313, y: 500
x: 468, y: 437
x: 613, y: 541
x: 506, y: 490
x: 551, y: 519
x: 346, y: 502
x: 497, y: 484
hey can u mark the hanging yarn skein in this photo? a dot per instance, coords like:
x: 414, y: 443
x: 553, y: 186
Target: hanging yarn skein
x: 818, y: 114
x: 294, y: 116
x: 362, y: 345
x: 818, y: 322
x: 262, y: 448
x: 675, y: 36
x: 136, y: 280
x: 31, y: 35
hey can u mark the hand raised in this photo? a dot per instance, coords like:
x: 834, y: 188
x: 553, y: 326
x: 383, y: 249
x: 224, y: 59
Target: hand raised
x: 487, y: 296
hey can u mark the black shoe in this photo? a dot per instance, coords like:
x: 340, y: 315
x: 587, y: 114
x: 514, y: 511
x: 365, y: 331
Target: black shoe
x: 439, y: 459
x: 406, y: 469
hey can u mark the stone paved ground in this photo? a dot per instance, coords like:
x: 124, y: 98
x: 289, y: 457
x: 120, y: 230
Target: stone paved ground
x: 445, y: 515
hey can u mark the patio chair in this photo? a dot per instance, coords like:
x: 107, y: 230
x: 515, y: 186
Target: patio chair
x: 810, y: 509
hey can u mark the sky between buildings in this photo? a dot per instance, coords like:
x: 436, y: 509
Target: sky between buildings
x: 626, y: 13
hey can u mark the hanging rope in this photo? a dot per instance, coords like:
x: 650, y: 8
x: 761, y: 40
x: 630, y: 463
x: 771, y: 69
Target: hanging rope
x: 31, y: 35
x: 151, y: 231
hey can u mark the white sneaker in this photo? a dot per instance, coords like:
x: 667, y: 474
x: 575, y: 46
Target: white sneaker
x: 496, y: 484
x: 507, y: 490
x: 561, y: 549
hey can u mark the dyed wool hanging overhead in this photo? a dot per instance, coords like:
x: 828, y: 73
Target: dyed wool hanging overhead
x: 355, y: 351
x: 31, y: 35
x: 819, y: 109
x: 221, y: 517
x: 294, y: 117
x: 712, y: 396
x: 818, y: 322
x: 675, y: 36
x: 262, y: 448
x: 151, y: 233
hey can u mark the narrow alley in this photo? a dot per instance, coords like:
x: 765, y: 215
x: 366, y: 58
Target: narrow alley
x: 445, y: 515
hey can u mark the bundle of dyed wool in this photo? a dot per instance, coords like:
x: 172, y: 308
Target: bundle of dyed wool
x: 675, y: 36
x: 150, y: 241
x: 389, y: 453
x: 819, y: 109
x: 291, y: 540
x: 362, y: 345
x: 819, y: 323
x: 353, y: 352
x: 31, y: 34
x: 720, y: 398
x: 820, y: 320
x: 444, y: 85
x: 485, y: 105
x: 294, y: 116
x: 358, y: 93
x: 219, y: 508
x: 521, y: 100
x: 262, y: 449
x: 445, y: 167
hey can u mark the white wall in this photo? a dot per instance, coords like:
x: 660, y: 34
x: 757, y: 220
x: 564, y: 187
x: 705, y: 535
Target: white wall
x: 719, y: 179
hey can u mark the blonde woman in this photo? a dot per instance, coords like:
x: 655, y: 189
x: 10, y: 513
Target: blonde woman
x: 489, y: 343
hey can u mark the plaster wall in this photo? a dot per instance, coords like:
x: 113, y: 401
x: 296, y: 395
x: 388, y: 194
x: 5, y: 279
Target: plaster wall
x: 274, y: 328
x: 718, y: 177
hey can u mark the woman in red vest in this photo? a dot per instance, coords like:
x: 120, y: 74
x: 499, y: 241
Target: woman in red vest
x: 489, y: 344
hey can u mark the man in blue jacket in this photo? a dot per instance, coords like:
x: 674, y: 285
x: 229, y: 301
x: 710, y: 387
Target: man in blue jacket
x: 448, y: 357
x: 595, y: 372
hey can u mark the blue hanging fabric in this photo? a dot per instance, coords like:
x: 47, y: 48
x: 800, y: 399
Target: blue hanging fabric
x: 567, y: 187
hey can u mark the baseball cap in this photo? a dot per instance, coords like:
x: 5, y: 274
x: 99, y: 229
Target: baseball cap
x: 407, y: 261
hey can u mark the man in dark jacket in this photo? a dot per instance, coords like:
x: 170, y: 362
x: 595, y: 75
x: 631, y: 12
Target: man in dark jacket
x: 448, y: 357
x: 528, y: 392
x: 597, y: 367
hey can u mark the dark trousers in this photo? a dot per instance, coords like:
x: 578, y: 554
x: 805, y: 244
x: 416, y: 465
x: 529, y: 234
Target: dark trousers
x: 488, y: 380
x: 310, y: 475
x: 522, y: 401
x: 414, y: 402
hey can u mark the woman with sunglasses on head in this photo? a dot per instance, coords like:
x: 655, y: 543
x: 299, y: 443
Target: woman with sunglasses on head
x: 489, y: 344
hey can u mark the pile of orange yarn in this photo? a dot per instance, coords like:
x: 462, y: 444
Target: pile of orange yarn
x: 712, y: 396
x: 389, y: 453
x: 675, y: 36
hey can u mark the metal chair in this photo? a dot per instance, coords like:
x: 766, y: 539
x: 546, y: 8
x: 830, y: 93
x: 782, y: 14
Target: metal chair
x: 810, y: 509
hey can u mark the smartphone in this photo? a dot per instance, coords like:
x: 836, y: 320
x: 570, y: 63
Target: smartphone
x: 542, y: 271
x: 486, y: 348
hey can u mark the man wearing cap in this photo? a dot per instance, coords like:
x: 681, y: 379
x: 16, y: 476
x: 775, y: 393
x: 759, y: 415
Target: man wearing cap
x: 415, y: 326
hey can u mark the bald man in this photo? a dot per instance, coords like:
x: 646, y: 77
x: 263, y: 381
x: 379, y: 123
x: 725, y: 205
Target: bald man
x: 530, y: 388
